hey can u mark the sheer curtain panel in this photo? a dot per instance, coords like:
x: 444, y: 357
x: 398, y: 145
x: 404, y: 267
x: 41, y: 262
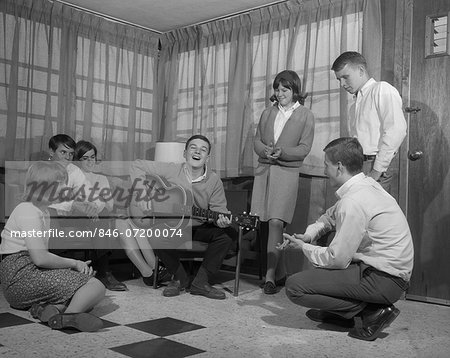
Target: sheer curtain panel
x: 67, y: 71
x: 216, y: 78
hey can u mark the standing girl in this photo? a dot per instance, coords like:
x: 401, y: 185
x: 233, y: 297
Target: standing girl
x: 59, y: 290
x: 283, y: 139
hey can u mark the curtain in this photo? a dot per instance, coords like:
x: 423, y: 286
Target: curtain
x: 216, y: 78
x: 67, y: 71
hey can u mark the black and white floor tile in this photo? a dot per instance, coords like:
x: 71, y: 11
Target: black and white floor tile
x: 143, y: 323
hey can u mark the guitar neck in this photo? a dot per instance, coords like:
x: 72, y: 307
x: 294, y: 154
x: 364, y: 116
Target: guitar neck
x: 207, y: 214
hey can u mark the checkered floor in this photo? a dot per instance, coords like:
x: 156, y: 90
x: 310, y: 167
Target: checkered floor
x: 142, y: 323
x: 136, y: 323
x: 160, y: 346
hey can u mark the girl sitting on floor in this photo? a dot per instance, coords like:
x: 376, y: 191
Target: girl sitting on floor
x: 59, y: 290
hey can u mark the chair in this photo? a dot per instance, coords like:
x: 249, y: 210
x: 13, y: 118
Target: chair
x: 237, y: 203
x: 197, y: 252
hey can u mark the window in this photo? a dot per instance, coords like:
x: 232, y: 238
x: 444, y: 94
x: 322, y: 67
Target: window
x: 437, y: 40
x: 202, y: 101
x: 98, y: 86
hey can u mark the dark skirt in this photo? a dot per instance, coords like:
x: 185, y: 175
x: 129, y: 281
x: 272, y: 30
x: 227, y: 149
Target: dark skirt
x: 24, y: 283
x: 275, y: 192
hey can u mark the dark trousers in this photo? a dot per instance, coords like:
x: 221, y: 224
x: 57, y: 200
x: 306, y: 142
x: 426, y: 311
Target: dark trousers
x: 385, y: 179
x: 97, y: 247
x: 344, y: 292
x: 219, y: 242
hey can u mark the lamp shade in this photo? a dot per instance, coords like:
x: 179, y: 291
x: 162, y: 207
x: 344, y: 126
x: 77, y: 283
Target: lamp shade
x: 169, y: 152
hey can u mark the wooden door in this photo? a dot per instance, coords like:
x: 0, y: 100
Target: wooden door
x: 428, y: 196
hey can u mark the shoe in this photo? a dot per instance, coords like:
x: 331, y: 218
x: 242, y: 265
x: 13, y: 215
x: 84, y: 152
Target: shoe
x: 174, y: 288
x: 163, y: 276
x: 43, y: 312
x: 373, y: 323
x: 279, y: 282
x: 270, y: 288
x: 111, y: 282
x: 84, y: 322
x: 207, y: 290
x: 330, y: 318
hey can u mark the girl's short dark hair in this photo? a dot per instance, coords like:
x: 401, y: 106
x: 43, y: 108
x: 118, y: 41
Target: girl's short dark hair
x: 41, y: 182
x: 289, y: 79
x: 82, y: 147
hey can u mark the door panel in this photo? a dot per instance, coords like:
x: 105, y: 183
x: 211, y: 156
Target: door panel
x: 428, y: 208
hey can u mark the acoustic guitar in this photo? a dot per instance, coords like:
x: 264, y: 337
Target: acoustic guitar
x: 171, y: 206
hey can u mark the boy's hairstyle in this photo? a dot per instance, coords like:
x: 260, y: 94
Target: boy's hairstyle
x: 42, y: 181
x: 349, y: 57
x: 58, y: 139
x: 198, y: 136
x: 289, y: 79
x: 82, y: 148
x: 348, y: 151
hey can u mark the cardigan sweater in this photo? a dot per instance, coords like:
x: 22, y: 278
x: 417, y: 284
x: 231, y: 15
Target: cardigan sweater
x: 295, y: 140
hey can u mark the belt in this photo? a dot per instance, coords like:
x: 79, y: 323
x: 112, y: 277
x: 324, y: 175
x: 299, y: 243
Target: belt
x: 370, y: 157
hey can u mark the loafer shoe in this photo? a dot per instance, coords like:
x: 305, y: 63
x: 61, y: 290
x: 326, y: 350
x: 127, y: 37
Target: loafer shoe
x: 174, y: 288
x: 270, y: 288
x: 373, y: 323
x: 111, y: 283
x: 43, y: 312
x: 163, y: 276
x: 207, y: 290
x: 84, y: 322
x: 279, y: 282
x: 329, y: 318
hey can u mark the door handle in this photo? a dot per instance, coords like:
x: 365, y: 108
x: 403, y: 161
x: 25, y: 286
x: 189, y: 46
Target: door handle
x: 415, y: 155
x: 412, y: 109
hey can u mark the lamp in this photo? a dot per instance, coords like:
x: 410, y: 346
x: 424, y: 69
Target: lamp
x: 169, y: 152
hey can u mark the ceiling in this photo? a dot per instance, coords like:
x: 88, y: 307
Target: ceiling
x: 166, y: 15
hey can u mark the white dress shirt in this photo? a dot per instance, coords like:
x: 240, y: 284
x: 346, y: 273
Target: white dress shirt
x: 376, y: 119
x: 281, y: 119
x: 370, y: 227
